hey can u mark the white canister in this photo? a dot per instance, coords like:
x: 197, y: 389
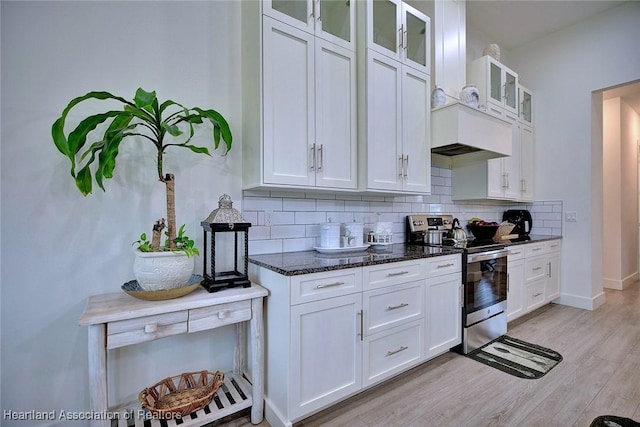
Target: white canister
x: 330, y: 235
x: 438, y: 97
x: 470, y: 96
x: 352, y: 233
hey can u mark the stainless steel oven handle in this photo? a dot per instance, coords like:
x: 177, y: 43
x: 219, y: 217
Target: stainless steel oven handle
x: 484, y: 256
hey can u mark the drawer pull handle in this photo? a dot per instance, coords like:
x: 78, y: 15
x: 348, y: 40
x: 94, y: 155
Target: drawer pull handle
x: 222, y: 314
x: 329, y: 285
x: 150, y: 328
x: 446, y: 265
x: 537, y: 268
x: 536, y: 249
x: 516, y: 253
x: 399, y: 273
x: 537, y: 295
x: 402, y: 348
x: 395, y: 307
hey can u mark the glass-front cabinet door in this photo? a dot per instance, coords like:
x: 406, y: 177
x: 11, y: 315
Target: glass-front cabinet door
x: 415, y: 38
x: 400, y: 32
x: 502, y: 85
x: 525, y: 105
x: 332, y: 20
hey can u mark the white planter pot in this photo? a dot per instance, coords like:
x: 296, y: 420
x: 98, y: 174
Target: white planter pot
x: 162, y: 270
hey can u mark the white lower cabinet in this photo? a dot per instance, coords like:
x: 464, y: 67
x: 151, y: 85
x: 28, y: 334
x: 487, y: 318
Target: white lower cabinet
x: 515, y: 282
x: 332, y: 334
x: 534, y: 276
x: 324, y: 370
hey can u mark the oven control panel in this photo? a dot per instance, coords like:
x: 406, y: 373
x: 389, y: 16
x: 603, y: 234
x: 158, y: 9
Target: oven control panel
x: 425, y: 222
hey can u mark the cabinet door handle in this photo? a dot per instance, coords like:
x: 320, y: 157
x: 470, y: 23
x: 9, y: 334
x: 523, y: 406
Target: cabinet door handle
x: 507, y: 180
x: 405, y: 42
x: 445, y: 265
x: 549, y: 264
x: 402, y: 348
x: 461, y: 295
x: 399, y: 273
x: 400, y: 37
x: 395, y: 307
x: 329, y: 285
x: 319, y: 9
x: 406, y: 166
x: 321, y: 152
x: 508, y: 282
x: 361, y: 314
x: 313, y: 157
x: 401, y: 160
x: 523, y: 185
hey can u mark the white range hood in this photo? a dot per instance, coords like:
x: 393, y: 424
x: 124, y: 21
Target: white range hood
x: 467, y: 133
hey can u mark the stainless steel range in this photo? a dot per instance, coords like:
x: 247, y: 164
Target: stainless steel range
x: 484, y: 276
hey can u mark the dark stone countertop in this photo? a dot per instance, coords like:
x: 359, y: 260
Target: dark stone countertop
x: 295, y: 263
x: 305, y: 262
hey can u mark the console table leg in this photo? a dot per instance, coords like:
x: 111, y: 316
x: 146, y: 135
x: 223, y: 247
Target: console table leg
x: 257, y: 360
x: 98, y: 371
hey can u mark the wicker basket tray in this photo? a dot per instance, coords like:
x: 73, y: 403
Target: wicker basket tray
x: 180, y: 395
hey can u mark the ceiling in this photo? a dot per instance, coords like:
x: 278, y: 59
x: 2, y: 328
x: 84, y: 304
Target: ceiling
x: 514, y: 23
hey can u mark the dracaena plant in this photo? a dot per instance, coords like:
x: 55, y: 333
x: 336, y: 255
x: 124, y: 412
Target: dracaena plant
x: 93, y: 146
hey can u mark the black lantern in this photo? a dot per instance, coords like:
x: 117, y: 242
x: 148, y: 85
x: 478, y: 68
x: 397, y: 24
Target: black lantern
x: 224, y: 229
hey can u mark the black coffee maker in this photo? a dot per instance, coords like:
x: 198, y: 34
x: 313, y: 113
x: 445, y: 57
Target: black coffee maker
x: 521, y: 219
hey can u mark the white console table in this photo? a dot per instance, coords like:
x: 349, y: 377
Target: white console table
x: 117, y: 320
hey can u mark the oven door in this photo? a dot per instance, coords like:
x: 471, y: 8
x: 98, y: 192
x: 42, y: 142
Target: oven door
x: 485, y: 286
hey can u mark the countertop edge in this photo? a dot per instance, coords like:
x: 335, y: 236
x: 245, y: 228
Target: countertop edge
x: 398, y: 255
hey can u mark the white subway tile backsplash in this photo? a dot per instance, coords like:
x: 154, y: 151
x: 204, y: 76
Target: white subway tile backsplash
x: 295, y: 217
x: 298, y: 204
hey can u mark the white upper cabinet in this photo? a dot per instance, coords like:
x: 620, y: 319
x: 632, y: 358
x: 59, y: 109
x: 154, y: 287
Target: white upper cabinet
x: 395, y: 90
x: 331, y: 20
x: 299, y: 96
x: 400, y: 32
x: 496, y: 83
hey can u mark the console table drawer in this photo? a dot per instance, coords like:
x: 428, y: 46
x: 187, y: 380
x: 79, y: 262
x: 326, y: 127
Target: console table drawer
x: 126, y: 332
x: 201, y: 319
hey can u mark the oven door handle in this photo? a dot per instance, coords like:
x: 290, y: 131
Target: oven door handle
x: 484, y: 256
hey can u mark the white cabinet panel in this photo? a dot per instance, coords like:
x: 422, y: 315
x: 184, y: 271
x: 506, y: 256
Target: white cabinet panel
x: 443, y: 313
x: 289, y: 114
x: 325, y: 369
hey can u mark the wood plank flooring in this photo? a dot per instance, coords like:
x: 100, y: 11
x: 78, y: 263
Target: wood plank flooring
x: 599, y: 375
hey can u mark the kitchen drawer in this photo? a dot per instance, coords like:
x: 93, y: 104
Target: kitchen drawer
x: 441, y: 265
x: 516, y: 252
x: 201, y: 319
x: 390, y: 352
x: 534, y: 268
x: 534, y: 249
x: 148, y: 328
x: 329, y: 284
x: 553, y: 245
x: 381, y: 275
x: 534, y: 294
x: 392, y: 306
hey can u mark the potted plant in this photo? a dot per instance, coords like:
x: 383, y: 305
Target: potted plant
x: 93, y: 146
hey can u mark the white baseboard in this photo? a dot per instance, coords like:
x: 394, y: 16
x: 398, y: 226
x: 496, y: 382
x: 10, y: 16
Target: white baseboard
x: 273, y: 416
x: 620, y: 284
x: 581, y: 302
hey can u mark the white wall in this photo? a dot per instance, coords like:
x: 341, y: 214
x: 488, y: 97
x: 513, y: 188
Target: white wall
x: 563, y: 69
x: 59, y: 247
x: 612, y: 194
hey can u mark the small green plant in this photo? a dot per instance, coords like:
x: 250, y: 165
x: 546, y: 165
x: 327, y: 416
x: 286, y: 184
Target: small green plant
x: 182, y: 243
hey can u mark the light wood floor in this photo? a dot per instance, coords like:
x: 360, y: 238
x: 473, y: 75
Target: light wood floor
x: 600, y: 375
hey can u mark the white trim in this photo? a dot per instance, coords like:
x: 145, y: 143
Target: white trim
x: 621, y: 284
x: 273, y: 416
x: 582, y: 302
